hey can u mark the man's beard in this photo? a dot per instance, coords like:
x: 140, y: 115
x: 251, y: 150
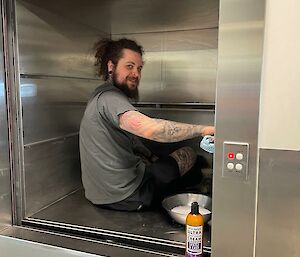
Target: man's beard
x: 130, y: 93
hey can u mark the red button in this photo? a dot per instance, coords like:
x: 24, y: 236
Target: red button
x: 230, y: 156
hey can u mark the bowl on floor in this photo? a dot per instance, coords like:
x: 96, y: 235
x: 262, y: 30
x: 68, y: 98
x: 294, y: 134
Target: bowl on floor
x: 178, y: 206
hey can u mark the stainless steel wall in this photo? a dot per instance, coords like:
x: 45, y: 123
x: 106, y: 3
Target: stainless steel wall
x: 56, y: 68
x: 241, y: 32
x: 56, y: 79
x: 180, y: 41
x: 278, y: 227
x: 5, y: 190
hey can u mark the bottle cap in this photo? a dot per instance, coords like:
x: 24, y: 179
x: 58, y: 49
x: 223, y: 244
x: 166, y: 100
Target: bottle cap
x: 195, y: 208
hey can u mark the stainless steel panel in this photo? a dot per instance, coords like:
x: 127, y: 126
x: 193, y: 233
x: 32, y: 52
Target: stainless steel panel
x: 190, y: 76
x: 93, y: 13
x: 186, y: 116
x: 278, y: 227
x: 241, y: 30
x: 153, y: 227
x: 179, y: 66
x: 53, y: 107
x: 53, y: 45
x: 52, y: 170
x: 92, y: 246
x: 5, y: 185
x: 16, y: 247
x: 136, y: 16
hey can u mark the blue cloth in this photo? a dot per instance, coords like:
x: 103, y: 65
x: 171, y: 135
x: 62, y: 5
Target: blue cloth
x: 207, y: 144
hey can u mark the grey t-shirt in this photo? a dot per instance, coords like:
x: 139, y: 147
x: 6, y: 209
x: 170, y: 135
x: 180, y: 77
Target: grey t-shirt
x: 110, y: 170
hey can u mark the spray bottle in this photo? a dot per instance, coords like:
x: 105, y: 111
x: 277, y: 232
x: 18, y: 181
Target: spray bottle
x: 194, y: 232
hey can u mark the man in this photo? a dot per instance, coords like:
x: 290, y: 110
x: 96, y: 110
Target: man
x: 113, y: 173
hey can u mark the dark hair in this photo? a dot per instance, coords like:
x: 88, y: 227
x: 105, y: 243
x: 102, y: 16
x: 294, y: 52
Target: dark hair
x: 108, y: 49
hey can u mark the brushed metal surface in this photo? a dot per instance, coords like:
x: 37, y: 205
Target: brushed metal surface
x: 278, y: 227
x: 5, y: 190
x: 14, y: 247
x: 52, y: 170
x: 92, y: 13
x: 4, y: 161
x: 53, y: 45
x: 181, y: 115
x: 53, y: 107
x: 180, y: 66
x: 241, y: 29
x: 87, y: 247
x: 135, y: 16
x: 153, y: 226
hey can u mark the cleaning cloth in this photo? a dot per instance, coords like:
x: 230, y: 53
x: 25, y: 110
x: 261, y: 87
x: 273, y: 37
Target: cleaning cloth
x: 208, y: 144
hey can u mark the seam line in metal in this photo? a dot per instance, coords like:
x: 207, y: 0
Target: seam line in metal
x: 41, y: 76
x: 51, y: 140
x: 101, y: 232
x: 96, y: 241
x: 164, y: 31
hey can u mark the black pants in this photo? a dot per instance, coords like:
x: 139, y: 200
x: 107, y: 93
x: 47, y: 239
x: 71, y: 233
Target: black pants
x: 157, y: 177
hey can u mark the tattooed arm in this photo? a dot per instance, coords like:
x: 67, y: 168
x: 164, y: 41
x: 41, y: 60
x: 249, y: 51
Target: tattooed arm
x: 161, y: 130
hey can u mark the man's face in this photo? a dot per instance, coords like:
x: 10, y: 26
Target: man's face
x: 127, y: 73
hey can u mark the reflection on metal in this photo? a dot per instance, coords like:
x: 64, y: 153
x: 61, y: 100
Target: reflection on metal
x: 52, y: 45
x: 28, y: 90
x: 11, y: 63
x: 241, y: 31
x: 278, y: 227
x: 57, y: 107
x: 52, y: 171
x: 5, y: 190
x: 92, y: 13
x: 162, y: 15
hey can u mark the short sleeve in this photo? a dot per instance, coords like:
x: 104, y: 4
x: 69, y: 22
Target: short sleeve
x: 111, y: 104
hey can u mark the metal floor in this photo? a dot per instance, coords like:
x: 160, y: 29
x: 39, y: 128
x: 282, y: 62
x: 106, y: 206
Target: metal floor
x: 76, y: 212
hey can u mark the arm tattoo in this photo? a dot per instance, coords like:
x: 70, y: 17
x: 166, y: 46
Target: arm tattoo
x: 175, y: 131
x: 158, y: 129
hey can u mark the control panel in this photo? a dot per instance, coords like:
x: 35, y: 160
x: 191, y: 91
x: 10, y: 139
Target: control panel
x: 235, y: 160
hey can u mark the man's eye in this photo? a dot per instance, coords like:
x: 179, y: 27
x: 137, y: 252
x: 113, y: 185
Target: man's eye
x: 130, y: 66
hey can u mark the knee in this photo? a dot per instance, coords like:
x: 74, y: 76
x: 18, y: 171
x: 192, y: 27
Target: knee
x: 185, y: 158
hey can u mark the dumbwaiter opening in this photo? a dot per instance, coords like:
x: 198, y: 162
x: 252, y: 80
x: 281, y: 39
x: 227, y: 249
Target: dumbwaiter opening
x: 57, y: 80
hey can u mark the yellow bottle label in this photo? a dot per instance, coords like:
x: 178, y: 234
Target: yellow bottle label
x: 194, y: 240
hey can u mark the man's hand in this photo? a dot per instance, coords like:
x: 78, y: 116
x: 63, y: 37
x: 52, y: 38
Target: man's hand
x: 209, y: 130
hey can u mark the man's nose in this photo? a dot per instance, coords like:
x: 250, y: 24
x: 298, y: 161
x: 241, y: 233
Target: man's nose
x: 136, y: 73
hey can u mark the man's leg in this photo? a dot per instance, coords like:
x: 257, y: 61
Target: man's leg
x: 185, y: 158
x: 158, y: 176
x: 169, y: 169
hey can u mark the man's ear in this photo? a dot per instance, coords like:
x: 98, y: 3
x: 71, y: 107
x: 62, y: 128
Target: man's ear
x: 110, y: 66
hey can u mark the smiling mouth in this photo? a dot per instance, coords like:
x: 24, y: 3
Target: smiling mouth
x: 133, y: 81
